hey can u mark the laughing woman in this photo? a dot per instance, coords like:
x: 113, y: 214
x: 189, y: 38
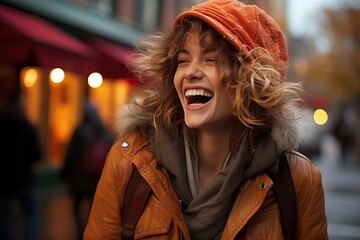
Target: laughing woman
x: 208, y: 134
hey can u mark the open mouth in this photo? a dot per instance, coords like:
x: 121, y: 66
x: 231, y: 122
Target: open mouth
x: 198, y: 96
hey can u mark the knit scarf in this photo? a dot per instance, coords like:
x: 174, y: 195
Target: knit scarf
x: 206, y: 213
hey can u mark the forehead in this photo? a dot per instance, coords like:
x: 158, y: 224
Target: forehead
x: 206, y: 39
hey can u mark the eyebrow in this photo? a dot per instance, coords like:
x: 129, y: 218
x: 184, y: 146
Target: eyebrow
x: 183, y: 50
x: 207, y: 50
x: 211, y: 49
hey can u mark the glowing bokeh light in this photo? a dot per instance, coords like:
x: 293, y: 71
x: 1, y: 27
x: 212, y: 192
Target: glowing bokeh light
x: 95, y: 80
x: 57, y: 75
x: 30, y: 77
x: 320, y: 116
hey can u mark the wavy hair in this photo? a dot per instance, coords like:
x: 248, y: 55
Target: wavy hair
x: 259, y: 90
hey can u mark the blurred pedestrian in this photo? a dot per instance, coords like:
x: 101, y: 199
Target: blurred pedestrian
x: 208, y: 133
x: 19, y: 150
x: 345, y: 133
x: 84, y: 160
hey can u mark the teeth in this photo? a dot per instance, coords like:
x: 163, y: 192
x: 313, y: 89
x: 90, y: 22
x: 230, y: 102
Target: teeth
x: 197, y: 92
x: 196, y: 104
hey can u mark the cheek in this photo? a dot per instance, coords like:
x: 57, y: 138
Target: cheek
x: 226, y: 96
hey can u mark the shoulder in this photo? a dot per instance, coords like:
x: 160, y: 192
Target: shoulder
x: 132, y: 148
x: 310, y: 198
x: 301, y: 167
x: 130, y: 145
x: 306, y: 177
x: 124, y: 153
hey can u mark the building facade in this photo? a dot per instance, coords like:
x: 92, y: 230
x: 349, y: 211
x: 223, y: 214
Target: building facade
x: 76, y: 38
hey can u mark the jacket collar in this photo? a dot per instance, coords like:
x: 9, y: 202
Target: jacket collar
x: 284, y: 130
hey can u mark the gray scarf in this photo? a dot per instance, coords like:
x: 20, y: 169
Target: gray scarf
x: 207, y: 212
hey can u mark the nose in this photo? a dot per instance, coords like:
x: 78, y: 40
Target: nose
x: 193, y: 72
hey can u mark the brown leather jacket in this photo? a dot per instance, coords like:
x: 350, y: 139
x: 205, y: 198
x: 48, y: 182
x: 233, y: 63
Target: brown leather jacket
x: 255, y: 214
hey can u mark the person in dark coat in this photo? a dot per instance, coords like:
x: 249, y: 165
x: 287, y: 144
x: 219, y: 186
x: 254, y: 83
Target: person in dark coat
x: 19, y: 150
x: 90, y: 139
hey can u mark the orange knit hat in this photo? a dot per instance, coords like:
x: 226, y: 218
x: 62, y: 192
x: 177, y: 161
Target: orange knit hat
x: 244, y: 26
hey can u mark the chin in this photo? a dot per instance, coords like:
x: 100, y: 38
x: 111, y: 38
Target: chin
x: 193, y: 124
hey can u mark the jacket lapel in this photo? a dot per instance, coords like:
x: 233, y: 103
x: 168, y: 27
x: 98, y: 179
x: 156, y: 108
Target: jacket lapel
x: 159, y: 181
x: 250, y: 198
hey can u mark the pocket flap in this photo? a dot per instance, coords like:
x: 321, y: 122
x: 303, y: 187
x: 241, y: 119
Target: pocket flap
x: 155, y: 221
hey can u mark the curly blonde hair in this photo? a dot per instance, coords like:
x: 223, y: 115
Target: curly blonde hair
x: 259, y: 89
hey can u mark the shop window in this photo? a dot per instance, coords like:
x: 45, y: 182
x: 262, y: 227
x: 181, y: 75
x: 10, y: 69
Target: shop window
x: 149, y: 14
x: 55, y: 107
x: 108, y: 98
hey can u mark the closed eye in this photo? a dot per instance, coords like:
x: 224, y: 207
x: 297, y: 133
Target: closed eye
x: 182, y: 60
x: 183, y: 56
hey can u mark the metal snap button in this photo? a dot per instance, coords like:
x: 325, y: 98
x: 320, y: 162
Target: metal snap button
x: 124, y: 144
x: 138, y: 229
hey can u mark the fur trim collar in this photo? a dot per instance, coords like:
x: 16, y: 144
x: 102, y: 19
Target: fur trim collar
x: 284, y: 131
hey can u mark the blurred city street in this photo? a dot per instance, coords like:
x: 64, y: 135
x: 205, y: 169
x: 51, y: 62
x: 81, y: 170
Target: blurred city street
x: 342, y: 191
x: 57, y: 219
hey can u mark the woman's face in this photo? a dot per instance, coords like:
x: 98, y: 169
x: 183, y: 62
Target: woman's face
x: 204, y: 97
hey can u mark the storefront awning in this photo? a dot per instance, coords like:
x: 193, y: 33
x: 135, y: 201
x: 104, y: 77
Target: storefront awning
x: 78, y: 17
x: 26, y: 38
x: 114, y: 58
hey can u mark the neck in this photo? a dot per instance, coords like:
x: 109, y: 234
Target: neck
x: 213, y: 149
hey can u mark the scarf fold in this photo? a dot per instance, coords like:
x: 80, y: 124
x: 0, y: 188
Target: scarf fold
x: 206, y: 213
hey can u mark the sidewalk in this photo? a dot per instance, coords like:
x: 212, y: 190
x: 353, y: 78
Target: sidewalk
x: 337, y: 177
x: 57, y: 219
x: 341, y: 184
x: 342, y: 200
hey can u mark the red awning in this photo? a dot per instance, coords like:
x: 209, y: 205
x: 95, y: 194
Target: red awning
x: 115, y: 58
x: 26, y: 38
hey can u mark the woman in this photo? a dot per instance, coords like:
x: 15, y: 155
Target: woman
x: 208, y: 132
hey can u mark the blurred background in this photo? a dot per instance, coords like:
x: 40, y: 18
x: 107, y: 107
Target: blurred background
x: 57, y: 55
